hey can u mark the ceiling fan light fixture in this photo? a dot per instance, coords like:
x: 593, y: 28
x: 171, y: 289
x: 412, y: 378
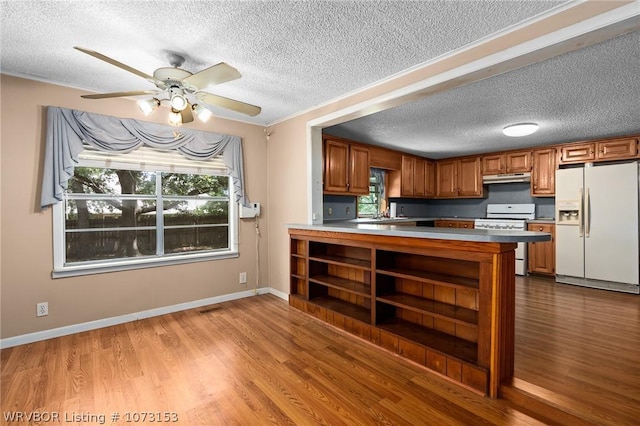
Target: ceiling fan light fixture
x: 175, y: 118
x: 147, y: 106
x: 202, y: 113
x: 520, y: 129
x: 178, y: 101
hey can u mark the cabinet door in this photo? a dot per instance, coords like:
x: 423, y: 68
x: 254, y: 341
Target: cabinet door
x: 493, y: 164
x: 446, y: 178
x: 419, y: 168
x: 617, y: 149
x: 518, y: 162
x: 543, y: 175
x: 542, y: 257
x: 406, y: 180
x: 358, y: 183
x: 469, y: 177
x: 577, y: 153
x: 429, y: 179
x: 336, y: 166
x: 465, y: 224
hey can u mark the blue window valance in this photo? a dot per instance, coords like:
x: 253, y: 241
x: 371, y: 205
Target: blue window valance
x: 69, y: 130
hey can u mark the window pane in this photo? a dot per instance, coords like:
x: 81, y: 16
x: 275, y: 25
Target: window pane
x: 109, y: 245
x: 183, y: 240
x: 93, y: 180
x: 195, y: 212
x: 116, y: 213
x: 192, y: 184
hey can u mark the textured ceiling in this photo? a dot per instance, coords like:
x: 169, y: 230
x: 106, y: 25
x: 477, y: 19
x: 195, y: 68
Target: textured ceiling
x: 590, y: 93
x: 293, y: 55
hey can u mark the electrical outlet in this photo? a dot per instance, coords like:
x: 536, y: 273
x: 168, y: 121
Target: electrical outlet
x: 243, y: 277
x: 42, y: 309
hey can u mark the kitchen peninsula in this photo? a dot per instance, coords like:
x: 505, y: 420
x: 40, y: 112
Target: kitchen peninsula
x: 441, y: 297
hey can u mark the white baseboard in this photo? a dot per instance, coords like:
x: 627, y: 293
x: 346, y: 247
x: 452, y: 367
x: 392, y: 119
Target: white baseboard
x: 106, y: 322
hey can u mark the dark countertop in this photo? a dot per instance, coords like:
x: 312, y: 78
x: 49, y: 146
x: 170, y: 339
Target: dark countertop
x: 457, y: 234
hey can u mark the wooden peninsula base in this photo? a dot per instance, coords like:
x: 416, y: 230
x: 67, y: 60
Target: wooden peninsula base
x: 445, y: 304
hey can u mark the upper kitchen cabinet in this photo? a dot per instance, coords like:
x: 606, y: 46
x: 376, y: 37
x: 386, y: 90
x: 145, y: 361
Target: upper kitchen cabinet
x: 346, y: 168
x: 604, y: 150
x: 414, y: 179
x: 543, y: 174
x: 509, y: 162
x: 459, y: 178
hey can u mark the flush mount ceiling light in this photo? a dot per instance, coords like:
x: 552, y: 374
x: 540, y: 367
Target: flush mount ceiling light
x: 181, y: 89
x: 520, y: 129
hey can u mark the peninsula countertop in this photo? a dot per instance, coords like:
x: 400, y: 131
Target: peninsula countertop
x: 454, y: 234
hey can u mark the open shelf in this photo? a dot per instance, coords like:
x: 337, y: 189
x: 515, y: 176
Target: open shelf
x: 445, y: 280
x: 455, y: 314
x: 342, y: 260
x: 345, y: 308
x: 449, y: 345
x: 350, y: 286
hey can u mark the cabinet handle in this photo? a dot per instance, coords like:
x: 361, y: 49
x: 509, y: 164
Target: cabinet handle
x: 541, y: 228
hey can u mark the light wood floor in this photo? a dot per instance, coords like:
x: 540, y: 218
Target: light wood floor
x: 257, y: 361
x: 582, y: 345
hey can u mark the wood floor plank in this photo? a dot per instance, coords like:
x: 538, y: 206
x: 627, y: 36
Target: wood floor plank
x: 258, y: 361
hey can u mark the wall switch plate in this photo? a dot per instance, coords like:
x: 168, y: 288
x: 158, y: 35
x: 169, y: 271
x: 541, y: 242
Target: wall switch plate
x: 243, y: 277
x: 42, y: 309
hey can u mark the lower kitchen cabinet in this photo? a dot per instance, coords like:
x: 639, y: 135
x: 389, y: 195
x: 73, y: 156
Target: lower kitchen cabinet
x: 466, y: 224
x: 542, y: 255
x: 428, y: 304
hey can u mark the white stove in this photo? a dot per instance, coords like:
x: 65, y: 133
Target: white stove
x: 510, y: 217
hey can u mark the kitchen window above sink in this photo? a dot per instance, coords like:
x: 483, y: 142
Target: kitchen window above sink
x: 374, y: 204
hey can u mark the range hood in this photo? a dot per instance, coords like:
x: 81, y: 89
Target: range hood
x: 506, y: 178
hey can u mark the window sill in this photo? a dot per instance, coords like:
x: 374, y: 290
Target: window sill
x: 127, y: 265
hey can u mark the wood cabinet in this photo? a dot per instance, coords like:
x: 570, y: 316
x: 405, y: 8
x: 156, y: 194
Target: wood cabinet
x: 463, y: 224
x: 506, y: 162
x: 346, y: 168
x: 430, y: 178
x: 543, y: 174
x: 427, y: 300
x: 459, y: 178
x: 542, y: 255
x: 414, y: 179
x: 605, y: 150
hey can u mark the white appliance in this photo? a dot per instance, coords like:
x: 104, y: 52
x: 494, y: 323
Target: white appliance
x: 597, y: 226
x: 510, y: 217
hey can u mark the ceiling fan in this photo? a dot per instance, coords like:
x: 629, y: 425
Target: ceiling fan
x: 180, y: 88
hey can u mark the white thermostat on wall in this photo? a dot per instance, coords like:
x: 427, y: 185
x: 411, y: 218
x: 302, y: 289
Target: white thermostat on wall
x: 250, y: 212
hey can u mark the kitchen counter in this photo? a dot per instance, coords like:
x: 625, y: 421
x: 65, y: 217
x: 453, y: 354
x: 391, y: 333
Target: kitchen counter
x: 454, y: 234
x: 542, y: 220
x: 382, y: 282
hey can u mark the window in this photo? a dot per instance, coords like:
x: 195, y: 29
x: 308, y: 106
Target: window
x: 372, y: 205
x: 131, y: 214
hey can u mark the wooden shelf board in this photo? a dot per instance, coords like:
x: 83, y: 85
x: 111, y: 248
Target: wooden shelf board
x: 448, y: 345
x: 341, y: 260
x: 432, y: 278
x: 345, y: 308
x: 298, y: 276
x: 354, y: 287
x: 456, y: 314
x: 298, y: 255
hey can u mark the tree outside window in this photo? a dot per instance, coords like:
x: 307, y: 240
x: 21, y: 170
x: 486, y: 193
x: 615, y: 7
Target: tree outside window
x: 113, y: 214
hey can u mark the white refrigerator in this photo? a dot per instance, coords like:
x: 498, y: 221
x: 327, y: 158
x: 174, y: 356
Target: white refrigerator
x: 597, y: 226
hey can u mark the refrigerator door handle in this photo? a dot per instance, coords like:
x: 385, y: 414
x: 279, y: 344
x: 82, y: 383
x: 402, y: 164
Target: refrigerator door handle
x: 587, y: 219
x: 580, y: 218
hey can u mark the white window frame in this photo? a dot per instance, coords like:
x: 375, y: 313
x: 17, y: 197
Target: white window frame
x: 150, y: 160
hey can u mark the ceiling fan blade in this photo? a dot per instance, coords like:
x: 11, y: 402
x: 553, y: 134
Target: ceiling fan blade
x: 216, y: 74
x: 227, y: 103
x: 120, y: 94
x: 114, y: 62
x: 187, y: 115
